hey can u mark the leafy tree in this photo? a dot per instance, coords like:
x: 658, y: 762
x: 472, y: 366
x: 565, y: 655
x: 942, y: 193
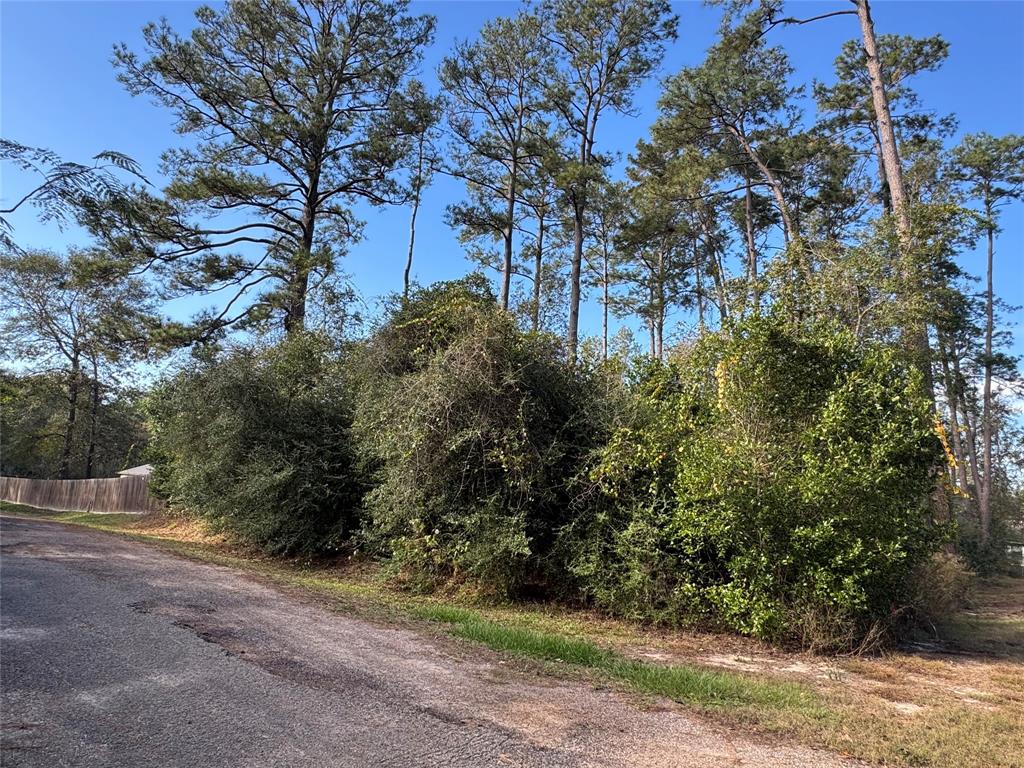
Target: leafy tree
x: 887, y: 147
x: 765, y: 17
x: 33, y: 409
x: 55, y: 319
x: 992, y: 172
x: 680, y: 181
x: 425, y: 114
x: 297, y: 109
x: 61, y: 188
x: 768, y: 481
x: 609, y: 210
x: 848, y: 107
x: 495, y: 105
x: 738, y: 98
x: 603, y: 50
x: 541, y: 200
x: 653, y: 263
x: 473, y: 429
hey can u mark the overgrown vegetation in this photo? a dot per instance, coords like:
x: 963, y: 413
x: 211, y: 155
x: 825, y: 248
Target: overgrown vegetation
x: 822, y: 400
x: 258, y: 441
x: 475, y: 430
x: 769, y: 480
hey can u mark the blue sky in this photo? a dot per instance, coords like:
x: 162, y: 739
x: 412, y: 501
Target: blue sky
x: 58, y: 90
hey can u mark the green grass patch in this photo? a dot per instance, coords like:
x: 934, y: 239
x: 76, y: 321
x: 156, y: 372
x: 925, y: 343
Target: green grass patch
x: 683, y: 683
x: 107, y: 521
x: 710, y: 687
x: 536, y: 645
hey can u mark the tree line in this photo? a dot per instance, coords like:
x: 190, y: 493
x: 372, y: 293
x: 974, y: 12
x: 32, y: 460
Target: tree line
x: 476, y: 431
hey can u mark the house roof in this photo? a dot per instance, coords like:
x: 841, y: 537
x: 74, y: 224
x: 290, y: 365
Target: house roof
x: 142, y: 469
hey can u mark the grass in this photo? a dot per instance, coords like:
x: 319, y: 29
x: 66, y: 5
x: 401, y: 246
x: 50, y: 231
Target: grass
x: 995, y: 623
x: 963, y: 710
x: 687, y: 684
x: 109, y: 522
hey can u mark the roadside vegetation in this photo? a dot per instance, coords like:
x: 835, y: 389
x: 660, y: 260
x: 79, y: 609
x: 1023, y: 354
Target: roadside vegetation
x: 733, y: 380
x: 948, y: 701
x: 771, y: 481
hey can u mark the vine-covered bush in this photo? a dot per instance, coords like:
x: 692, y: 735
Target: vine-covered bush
x: 768, y: 482
x: 472, y: 428
x: 258, y: 442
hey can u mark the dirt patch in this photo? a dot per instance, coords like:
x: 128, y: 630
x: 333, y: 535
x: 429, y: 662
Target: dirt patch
x: 180, y: 529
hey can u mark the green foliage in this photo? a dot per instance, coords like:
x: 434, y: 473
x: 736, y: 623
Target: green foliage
x: 33, y: 412
x: 495, y: 99
x: 258, y: 442
x: 80, y: 335
x: 472, y: 428
x: 690, y: 684
x: 66, y: 187
x: 296, y: 110
x: 990, y: 557
x: 939, y: 587
x: 764, y: 481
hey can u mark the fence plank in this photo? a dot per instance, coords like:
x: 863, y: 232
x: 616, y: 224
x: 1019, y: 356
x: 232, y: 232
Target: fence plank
x: 108, y: 494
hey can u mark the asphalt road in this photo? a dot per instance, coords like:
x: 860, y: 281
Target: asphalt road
x: 114, y: 653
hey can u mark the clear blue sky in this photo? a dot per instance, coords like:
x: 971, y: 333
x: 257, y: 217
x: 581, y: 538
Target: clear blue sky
x: 58, y: 90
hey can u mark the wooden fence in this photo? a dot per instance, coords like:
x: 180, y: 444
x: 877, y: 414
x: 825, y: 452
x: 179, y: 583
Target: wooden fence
x: 108, y: 494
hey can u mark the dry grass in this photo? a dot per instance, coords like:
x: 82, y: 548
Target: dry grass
x: 954, y: 702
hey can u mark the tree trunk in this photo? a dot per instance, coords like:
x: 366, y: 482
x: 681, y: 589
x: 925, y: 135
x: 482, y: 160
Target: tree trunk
x: 970, y: 425
x: 298, y: 284
x: 412, y: 219
x: 74, y: 383
x: 748, y: 216
x: 538, y: 273
x: 604, y: 296
x: 917, y: 333
x: 883, y: 184
x: 699, y: 285
x: 660, y: 306
x: 94, y: 408
x: 295, y: 312
x: 788, y: 233
x: 572, y: 336
x: 954, y: 422
x: 510, y: 212
x: 653, y: 339
x: 985, y: 496
x: 886, y: 130
x: 718, y: 272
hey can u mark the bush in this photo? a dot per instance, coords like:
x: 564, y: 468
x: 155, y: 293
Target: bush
x: 258, y: 442
x: 990, y: 558
x: 472, y: 428
x: 769, y: 482
x: 939, y: 586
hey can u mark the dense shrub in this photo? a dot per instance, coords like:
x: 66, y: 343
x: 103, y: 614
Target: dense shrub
x: 258, y: 442
x: 768, y: 482
x: 938, y: 587
x: 991, y: 557
x: 473, y: 428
